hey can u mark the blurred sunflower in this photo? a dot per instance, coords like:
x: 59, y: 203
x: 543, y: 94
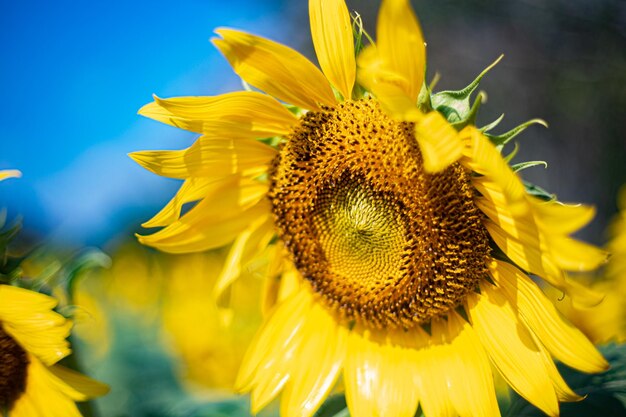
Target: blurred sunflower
x: 209, y: 340
x: 401, y: 237
x: 605, y: 322
x: 32, y: 341
x: 171, y: 293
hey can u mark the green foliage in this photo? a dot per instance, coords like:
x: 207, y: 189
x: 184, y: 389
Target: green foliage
x: 7, y: 265
x: 334, y: 406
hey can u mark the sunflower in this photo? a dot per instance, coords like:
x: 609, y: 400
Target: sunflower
x: 605, y: 322
x: 210, y: 341
x: 32, y: 341
x: 401, y: 239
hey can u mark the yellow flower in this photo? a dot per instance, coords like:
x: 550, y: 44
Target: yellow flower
x: 209, y: 340
x: 173, y: 293
x: 400, y: 244
x: 32, y: 340
x: 607, y: 321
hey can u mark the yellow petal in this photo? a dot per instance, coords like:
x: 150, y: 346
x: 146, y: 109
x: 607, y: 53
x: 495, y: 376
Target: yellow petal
x: 15, y: 301
x: 386, y: 85
x: 565, y: 252
x: 214, y: 221
x: 334, y: 43
x: 9, y: 173
x: 439, y: 142
x: 246, y: 114
x: 43, y: 395
x: 562, y: 339
x: 432, y: 378
x: 528, y: 257
x: 511, y: 348
x: 380, y: 377
x: 317, y: 365
x: 482, y: 157
x: 563, y: 391
x: 468, y: 371
x: 574, y: 255
x: 28, y: 318
x: 283, y: 325
x: 76, y: 385
x: 208, y: 157
x: 401, y: 45
x: 581, y: 295
x: 193, y: 189
x: 276, y: 69
x: 244, y: 247
x: 564, y: 218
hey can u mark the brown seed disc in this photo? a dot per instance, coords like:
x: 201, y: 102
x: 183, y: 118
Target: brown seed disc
x: 383, y: 242
x: 13, y: 367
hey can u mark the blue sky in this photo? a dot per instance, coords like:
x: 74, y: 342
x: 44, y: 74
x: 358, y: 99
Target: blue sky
x: 74, y: 75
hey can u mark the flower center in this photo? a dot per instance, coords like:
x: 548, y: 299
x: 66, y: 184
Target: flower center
x: 384, y: 243
x: 13, y: 366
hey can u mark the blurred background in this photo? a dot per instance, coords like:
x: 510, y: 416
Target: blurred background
x: 75, y: 73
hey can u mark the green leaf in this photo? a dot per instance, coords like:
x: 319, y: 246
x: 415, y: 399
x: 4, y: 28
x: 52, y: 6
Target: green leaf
x: 529, y: 164
x: 605, y: 394
x: 492, y: 125
x: 455, y: 105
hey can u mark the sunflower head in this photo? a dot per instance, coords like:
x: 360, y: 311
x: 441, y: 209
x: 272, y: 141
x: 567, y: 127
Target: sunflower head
x: 399, y: 237
x: 382, y: 241
x: 14, y: 362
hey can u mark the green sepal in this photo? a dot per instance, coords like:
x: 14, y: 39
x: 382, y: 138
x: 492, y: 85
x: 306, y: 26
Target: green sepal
x: 471, y: 117
x: 538, y: 192
x: 510, y: 156
x: 500, y: 140
x: 455, y: 105
x: 528, y: 164
x: 424, y: 102
x: 359, y: 32
x: 492, y: 125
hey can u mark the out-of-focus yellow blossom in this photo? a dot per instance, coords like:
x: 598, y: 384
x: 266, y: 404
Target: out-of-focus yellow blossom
x: 209, y: 339
x: 607, y: 321
x: 174, y: 293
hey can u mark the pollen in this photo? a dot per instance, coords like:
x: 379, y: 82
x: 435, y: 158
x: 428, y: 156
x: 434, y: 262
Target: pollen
x: 381, y: 241
x: 13, y: 367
